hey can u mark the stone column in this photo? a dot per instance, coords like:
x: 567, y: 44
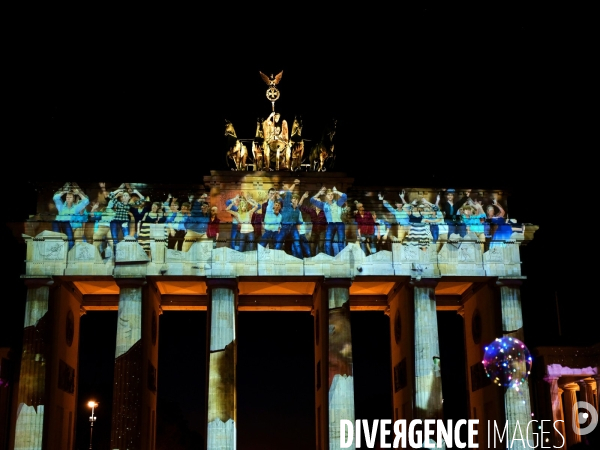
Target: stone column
x: 557, y: 412
x: 583, y: 395
x: 561, y: 425
x: 571, y: 414
x: 517, y: 404
x: 127, y: 393
x: 341, y: 380
x: 461, y: 312
x: 222, y: 355
x: 428, y: 377
x: 586, y: 387
x: 597, y: 392
x: 320, y: 313
x: 31, y: 395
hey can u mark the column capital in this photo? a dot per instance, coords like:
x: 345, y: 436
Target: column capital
x: 424, y: 282
x: 337, y: 282
x: 226, y: 283
x: 510, y: 281
x: 572, y: 387
x: 551, y: 379
x: 124, y: 282
x: 461, y: 311
x: 36, y: 281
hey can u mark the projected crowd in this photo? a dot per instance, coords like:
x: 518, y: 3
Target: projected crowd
x: 302, y: 224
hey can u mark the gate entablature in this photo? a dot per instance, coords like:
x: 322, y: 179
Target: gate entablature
x: 417, y: 233
x: 268, y: 293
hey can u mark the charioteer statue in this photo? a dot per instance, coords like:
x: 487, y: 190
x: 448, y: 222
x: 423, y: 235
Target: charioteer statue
x: 277, y: 139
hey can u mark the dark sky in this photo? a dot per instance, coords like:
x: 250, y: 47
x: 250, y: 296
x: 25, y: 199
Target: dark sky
x: 433, y: 97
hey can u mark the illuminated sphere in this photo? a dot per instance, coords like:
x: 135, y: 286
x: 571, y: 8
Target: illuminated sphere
x: 507, y: 362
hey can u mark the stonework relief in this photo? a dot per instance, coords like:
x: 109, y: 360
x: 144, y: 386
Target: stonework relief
x: 410, y: 253
x: 52, y: 250
x: 84, y: 252
x: 466, y: 253
x: 496, y: 254
x: 204, y: 250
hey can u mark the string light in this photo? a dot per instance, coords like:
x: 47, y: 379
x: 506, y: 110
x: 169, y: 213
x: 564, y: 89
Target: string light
x: 507, y: 362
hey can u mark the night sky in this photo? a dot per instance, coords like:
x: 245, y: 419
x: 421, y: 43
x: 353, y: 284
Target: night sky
x: 427, y: 98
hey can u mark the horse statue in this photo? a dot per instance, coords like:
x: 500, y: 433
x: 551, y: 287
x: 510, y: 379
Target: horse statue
x: 260, y: 151
x: 276, y: 139
x: 236, y: 150
x: 322, y: 154
x: 296, y: 145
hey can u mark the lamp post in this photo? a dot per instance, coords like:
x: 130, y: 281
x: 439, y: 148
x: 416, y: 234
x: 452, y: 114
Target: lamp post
x: 92, y: 404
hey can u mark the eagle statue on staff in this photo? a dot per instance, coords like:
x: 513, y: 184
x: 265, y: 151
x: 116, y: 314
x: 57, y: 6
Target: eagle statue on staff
x: 275, y: 129
x: 272, y: 81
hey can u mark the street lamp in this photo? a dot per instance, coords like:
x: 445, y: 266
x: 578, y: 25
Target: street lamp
x: 92, y: 404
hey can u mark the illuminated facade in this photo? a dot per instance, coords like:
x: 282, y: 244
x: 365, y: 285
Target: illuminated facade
x: 415, y: 268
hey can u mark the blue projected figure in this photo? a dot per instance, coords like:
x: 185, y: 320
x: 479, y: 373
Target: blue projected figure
x: 272, y: 220
x: 336, y: 229
x: 290, y: 219
x: 68, y: 210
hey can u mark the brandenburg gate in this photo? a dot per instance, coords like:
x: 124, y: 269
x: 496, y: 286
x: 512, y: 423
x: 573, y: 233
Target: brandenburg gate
x: 413, y: 268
